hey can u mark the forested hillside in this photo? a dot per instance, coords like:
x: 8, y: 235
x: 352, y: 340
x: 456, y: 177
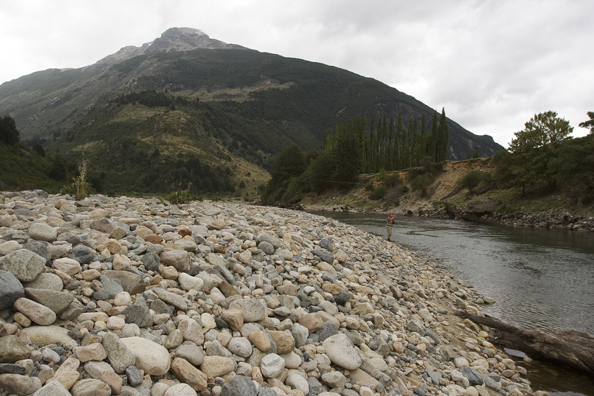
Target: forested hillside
x: 206, y: 120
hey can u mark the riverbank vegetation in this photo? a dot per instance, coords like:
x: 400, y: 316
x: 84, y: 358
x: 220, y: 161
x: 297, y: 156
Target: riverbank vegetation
x: 545, y: 169
x: 360, y: 147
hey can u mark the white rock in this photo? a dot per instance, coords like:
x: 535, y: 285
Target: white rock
x: 188, y: 282
x: 12, y: 246
x: 122, y: 299
x: 180, y: 390
x: 298, y: 382
x: 461, y: 362
x: 150, y: 356
x: 272, y: 365
x: 341, y: 352
x: 67, y: 265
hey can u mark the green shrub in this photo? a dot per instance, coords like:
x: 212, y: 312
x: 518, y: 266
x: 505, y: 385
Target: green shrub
x: 369, y: 186
x: 421, y: 182
x: 381, y: 176
x: 392, y: 180
x: 379, y: 192
x: 180, y: 197
x: 474, y: 179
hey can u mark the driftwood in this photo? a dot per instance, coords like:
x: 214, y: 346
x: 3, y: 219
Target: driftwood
x: 565, y: 347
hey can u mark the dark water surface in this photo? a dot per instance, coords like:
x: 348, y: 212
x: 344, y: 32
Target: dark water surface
x: 539, y: 278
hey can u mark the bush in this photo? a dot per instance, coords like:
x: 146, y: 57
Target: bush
x: 392, y: 180
x: 421, y: 182
x: 379, y: 192
x: 474, y: 179
x: 381, y: 176
x: 369, y: 186
x: 81, y: 186
x: 180, y: 197
x: 294, y: 192
x: 393, y: 197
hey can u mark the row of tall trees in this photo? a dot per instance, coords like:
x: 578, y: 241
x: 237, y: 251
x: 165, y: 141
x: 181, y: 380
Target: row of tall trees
x: 389, y: 144
x: 356, y: 147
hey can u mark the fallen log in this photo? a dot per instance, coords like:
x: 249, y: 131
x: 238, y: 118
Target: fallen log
x: 570, y: 348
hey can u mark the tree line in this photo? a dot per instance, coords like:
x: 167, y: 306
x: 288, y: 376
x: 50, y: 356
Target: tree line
x: 357, y: 146
x: 390, y: 145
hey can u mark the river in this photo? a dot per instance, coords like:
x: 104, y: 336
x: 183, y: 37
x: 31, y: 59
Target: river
x: 539, y: 278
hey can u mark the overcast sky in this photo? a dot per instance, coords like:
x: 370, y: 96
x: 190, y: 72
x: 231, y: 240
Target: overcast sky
x: 492, y: 64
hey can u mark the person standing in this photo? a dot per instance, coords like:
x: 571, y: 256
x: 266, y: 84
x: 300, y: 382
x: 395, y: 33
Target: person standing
x: 390, y: 222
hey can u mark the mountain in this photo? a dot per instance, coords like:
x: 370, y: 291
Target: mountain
x: 187, y: 97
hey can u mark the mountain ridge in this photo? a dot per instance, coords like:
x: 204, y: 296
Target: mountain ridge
x: 241, y: 102
x: 173, y: 39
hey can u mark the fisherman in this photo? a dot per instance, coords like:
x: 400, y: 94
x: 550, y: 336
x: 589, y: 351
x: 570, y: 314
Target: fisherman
x: 390, y: 221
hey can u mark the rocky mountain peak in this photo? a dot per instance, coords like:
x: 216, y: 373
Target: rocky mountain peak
x: 185, y: 39
x: 173, y: 39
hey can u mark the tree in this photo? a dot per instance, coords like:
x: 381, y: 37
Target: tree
x: 9, y: 134
x: 38, y: 148
x: 589, y: 123
x: 443, y: 137
x: 347, y: 158
x: 544, y: 129
x: 289, y: 163
x: 536, y: 150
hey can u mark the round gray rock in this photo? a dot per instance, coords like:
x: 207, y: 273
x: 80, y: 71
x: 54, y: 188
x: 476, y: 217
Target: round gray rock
x: 239, y: 386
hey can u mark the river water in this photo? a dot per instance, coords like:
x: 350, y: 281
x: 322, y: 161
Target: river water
x: 539, y: 278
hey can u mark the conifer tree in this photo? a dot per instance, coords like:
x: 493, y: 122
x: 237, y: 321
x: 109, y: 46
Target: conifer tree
x: 399, y: 141
x: 434, y: 139
x: 391, y: 145
x: 443, y: 137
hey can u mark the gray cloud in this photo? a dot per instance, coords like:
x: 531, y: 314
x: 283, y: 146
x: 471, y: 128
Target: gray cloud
x: 491, y: 64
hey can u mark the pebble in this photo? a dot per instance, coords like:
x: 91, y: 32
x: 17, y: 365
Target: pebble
x: 155, y: 299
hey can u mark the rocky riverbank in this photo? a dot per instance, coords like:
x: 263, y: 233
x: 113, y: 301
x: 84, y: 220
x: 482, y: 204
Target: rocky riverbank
x: 552, y: 219
x: 135, y: 296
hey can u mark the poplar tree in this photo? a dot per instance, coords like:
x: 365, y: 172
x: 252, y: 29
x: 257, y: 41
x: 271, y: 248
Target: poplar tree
x: 443, y: 137
x: 391, y: 145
